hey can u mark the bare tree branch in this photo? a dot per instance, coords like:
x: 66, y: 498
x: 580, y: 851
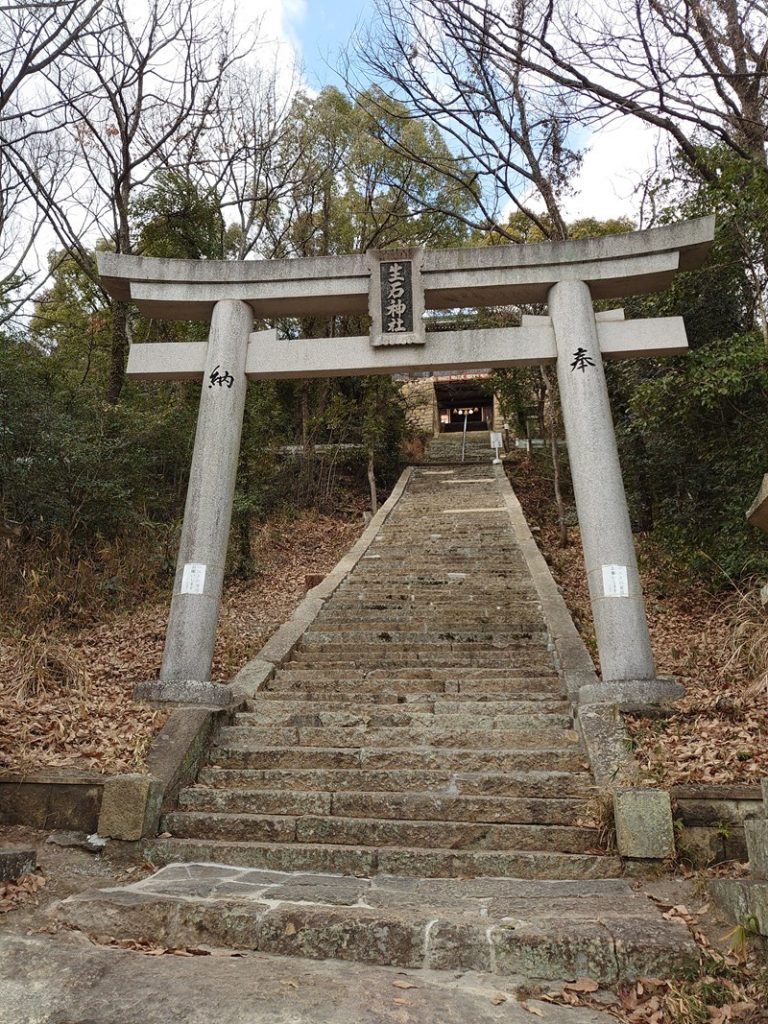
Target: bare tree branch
x: 511, y: 126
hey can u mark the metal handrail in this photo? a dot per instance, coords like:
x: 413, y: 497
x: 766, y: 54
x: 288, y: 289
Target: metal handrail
x: 464, y: 437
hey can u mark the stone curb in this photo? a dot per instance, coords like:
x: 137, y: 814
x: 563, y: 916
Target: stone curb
x: 51, y: 799
x: 600, y: 725
x: 746, y: 899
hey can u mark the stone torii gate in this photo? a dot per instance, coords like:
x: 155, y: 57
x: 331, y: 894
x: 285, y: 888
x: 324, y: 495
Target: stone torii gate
x: 395, y: 287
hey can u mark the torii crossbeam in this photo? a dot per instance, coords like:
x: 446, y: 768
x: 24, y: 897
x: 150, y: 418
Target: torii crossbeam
x: 396, y: 287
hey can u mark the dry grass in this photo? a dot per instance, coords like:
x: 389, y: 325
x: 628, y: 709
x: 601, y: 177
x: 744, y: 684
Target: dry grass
x: 748, y: 625
x: 53, y: 586
x: 41, y: 665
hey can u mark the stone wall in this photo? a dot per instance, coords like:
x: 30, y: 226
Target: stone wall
x: 50, y: 800
x: 711, y: 820
x: 420, y: 406
x: 498, y: 420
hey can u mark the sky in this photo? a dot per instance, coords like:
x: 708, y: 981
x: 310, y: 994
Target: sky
x: 316, y: 31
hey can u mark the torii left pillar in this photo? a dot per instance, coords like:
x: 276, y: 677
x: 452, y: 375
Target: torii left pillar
x: 186, y: 670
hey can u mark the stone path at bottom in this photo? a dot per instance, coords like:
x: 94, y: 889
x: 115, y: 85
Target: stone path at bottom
x: 409, y: 789
x: 65, y: 979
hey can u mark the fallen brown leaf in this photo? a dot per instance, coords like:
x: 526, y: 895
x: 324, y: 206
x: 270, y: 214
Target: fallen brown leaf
x: 532, y: 1009
x: 97, y: 727
x: 582, y: 985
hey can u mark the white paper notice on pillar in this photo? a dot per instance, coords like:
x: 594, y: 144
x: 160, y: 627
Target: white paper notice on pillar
x: 193, y: 578
x: 615, y: 581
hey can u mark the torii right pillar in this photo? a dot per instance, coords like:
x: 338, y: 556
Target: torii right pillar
x: 621, y: 628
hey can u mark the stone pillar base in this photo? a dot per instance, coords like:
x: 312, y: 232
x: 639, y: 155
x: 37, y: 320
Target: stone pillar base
x: 633, y: 694
x: 183, y: 692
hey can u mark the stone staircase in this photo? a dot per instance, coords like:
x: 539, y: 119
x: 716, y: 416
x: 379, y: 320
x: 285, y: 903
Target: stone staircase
x: 407, y: 790
x: 419, y: 729
x: 445, y: 449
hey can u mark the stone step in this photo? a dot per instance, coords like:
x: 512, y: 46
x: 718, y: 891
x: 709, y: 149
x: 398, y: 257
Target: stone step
x: 438, y: 597
x: 401, y: 806
x: 524, y: 688
x: 440, y: 694
x: 429, y: 734
x: 455, y: 575
x: 467, y: 583
x: 453, y: 595
x: 374, y: 832
x: 384, y: 655
x: 298, y: 670
x: 386, y: 664
x: 424, y: 758
x: 439, y: 580
x: 396, y: 608
x: 421, y: 623
x: 399, y: 713
x: 299, y: 715
x: 527, y: 784
x: 477, y: 550
x: 389, y: 860
x: 465, y: 640
x: 444, y: 554
x: 385, y: 659
x: 545, y: 930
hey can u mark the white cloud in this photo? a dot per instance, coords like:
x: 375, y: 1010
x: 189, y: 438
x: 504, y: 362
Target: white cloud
x: 279, y: 21
x: 618, y: 157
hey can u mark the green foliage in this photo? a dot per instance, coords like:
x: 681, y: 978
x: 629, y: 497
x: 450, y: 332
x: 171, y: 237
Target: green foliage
x: 355, y: 192
x: 73, y: 467
x: 691, y: 430
x: 176, y: 220
x: 518, y: 389
x: 382, y: 427
x: 701, y: 422
x: 521, y: 229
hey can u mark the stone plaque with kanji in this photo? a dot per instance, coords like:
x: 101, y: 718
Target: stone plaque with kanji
x: 396, y: 297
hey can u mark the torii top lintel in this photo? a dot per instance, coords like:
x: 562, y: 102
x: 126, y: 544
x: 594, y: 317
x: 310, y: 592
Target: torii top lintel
x: 613, y: 266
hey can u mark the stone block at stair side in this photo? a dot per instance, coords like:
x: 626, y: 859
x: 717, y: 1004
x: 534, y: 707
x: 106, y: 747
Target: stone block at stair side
x: 124, y: 806
x: 321, y: 933
x: 644, y: 824
x: 15, y: 862
x: 743, y: 898
x: 652, y: 947
x: 756, y: 832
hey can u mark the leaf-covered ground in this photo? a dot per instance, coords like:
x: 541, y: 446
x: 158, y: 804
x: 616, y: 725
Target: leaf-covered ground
x: 718, y: 731
x: 81, y: 714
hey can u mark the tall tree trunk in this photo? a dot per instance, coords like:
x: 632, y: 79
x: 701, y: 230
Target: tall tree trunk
x: 372, y: 483
x: 119, y: 351
x: 305, y: 431
x: 643, y: 486
x: 550, y: 425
